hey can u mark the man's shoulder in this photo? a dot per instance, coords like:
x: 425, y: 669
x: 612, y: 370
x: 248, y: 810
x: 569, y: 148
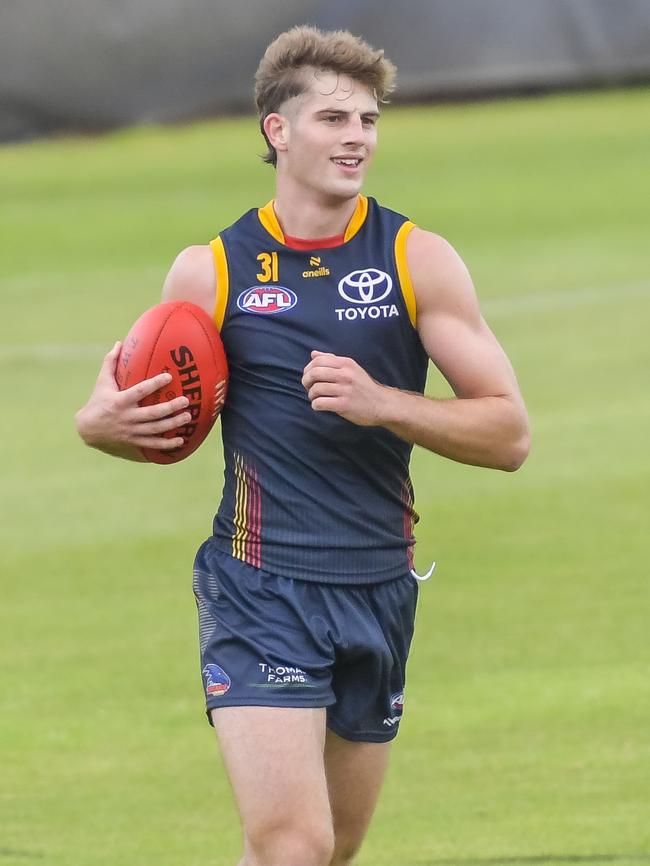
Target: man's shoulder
x: 192, y: 277
x: 427, y: 245
x: 438, y: 273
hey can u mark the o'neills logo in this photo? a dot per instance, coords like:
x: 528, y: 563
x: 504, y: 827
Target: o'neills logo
x: 319, y: 272
x: 319, y: 269
x: 188, y: 373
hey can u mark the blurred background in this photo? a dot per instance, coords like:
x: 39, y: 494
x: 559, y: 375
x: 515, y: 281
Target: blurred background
x: 519, y: 131
x: 79, y: 65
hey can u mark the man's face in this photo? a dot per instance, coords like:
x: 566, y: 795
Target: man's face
x: 331, y: 135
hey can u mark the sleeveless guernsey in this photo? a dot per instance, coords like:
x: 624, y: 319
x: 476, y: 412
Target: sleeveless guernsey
x: 308, y: 494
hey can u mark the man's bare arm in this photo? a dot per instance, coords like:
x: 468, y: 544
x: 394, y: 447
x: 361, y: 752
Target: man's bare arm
x: 112, y: 420
x: 192, y: 278
x: 486, y: 424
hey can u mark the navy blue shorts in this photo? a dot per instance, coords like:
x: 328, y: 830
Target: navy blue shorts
x: 280, y: 642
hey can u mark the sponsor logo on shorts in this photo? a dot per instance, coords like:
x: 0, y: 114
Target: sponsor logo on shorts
x: 266, y: 300
x: 217, y: 681
x: 282, y: 676
x: 366, y: 289
x: 397, y: 707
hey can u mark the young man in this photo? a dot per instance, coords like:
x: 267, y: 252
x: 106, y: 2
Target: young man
x: 330, y: 308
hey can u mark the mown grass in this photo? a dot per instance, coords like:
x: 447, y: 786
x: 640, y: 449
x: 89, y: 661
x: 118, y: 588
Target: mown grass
x: 525, y: 736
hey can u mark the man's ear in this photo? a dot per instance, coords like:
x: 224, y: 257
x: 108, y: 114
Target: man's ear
x: 276, y: 129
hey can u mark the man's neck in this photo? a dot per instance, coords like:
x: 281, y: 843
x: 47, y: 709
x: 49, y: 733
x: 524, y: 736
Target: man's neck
x: 307, y: 216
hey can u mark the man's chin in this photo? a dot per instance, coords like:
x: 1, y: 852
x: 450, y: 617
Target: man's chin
x: 342, y: 191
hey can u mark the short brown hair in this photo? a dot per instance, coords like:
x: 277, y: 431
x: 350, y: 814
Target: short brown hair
x: 280, y: 73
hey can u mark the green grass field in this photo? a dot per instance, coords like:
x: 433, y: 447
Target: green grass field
x: 526, y: 736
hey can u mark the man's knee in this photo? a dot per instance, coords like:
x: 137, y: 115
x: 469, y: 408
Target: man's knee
x: 298, y: 843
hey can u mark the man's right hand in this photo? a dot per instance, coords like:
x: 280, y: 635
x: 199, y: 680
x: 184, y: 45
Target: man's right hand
x: 113, y: 422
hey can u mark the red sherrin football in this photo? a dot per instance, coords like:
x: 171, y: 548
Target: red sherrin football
x: 180, y: 338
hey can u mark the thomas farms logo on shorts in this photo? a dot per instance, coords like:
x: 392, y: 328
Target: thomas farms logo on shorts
x: 217, y: 681
x: 267, y: 300
x: 281, y: 676
x: 366, y: 289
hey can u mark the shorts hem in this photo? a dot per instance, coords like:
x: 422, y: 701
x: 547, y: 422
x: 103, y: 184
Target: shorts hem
x: 291, y: 703
x: 362, y: 736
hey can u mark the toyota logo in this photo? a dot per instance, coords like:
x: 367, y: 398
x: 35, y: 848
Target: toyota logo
x: 368, y: 286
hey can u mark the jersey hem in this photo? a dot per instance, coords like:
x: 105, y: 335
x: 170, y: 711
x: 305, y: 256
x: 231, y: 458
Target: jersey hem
x: 224, y: 545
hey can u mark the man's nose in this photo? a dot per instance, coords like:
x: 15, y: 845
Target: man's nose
x: 353, y: 133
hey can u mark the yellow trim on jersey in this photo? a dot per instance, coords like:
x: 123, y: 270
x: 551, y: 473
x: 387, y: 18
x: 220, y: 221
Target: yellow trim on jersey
x: 270, y: 221
x: 221, y: 270
x: 239, y: 518
x: 403, y: 269
x: 358, y: 218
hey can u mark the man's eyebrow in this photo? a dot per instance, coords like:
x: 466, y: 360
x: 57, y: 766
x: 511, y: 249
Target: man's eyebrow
x: 371, y: 113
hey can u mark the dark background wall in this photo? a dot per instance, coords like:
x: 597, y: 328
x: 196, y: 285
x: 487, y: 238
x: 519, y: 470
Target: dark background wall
x: 93, y: 64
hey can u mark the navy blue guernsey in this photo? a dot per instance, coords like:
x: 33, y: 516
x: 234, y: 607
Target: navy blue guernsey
x: 308, y: 494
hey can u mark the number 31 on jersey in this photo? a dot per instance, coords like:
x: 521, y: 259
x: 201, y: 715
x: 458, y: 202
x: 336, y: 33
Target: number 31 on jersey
x: 268, y: 267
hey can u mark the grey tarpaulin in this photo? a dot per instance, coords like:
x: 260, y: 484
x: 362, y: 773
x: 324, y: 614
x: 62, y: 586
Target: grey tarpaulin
x: 93, y: 64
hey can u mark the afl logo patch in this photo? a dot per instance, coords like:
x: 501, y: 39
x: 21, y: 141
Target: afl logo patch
x: 397, y: 703
x: 217, y: 681
x: 267, y: 300
x: 368, y: 286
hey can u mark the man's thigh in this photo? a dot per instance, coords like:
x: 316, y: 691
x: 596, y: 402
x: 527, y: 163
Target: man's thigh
x: 274, y: 759
x: 355, y: 772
